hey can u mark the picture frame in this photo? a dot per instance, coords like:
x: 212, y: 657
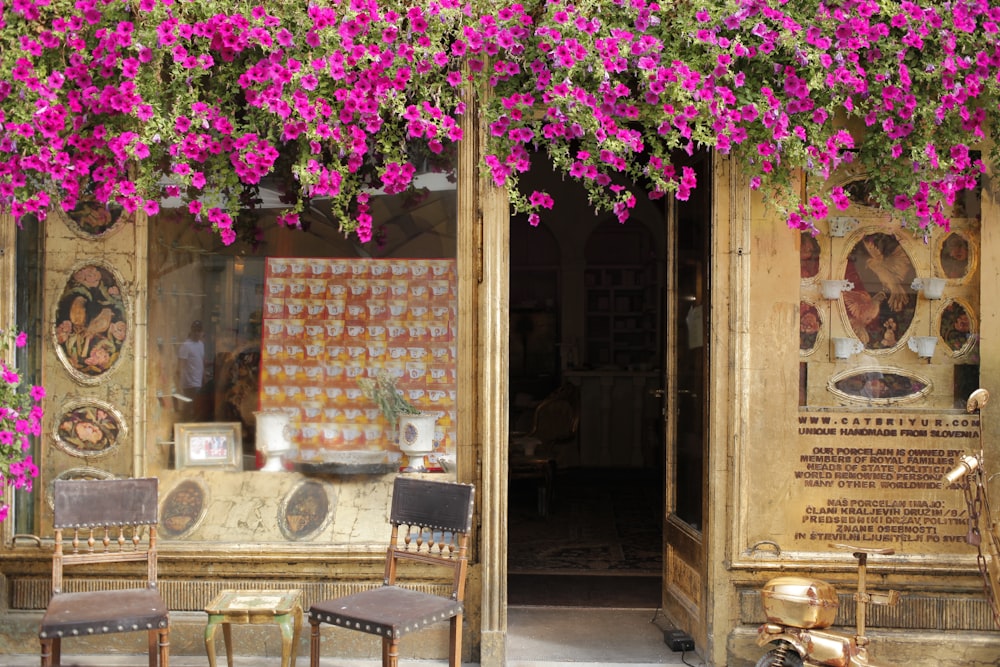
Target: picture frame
x: 217, y: 445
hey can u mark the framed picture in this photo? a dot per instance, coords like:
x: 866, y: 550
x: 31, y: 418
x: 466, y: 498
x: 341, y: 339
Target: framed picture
x: 208, y: 445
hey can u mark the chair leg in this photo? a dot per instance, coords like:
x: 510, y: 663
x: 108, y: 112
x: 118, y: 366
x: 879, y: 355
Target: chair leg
x: 46, y: 652
x: 57, y: 651
x: 151, y: 636
x: 313, y: 642
x: 455, y: 644
x: 390, y: 653
x: 164, y: 647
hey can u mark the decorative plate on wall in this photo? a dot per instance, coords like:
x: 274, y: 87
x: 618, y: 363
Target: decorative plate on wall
x: 810, y: 327
x: 94, y: 220
x: 879, y: 386
x: 305, y: 510
x: 183, y: 508
x: 91, y: 322
x: 957, y: 327
x: 958, y: 257
x: 879, y: 307
x: 89, y: 428
x: 809, y: 256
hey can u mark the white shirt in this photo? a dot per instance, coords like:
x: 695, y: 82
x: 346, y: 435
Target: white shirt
x: 191, y: 359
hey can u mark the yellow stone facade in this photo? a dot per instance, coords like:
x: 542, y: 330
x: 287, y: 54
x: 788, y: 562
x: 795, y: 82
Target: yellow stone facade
x: 796, y: 455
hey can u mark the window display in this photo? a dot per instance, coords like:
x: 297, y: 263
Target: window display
x: 290, y: 323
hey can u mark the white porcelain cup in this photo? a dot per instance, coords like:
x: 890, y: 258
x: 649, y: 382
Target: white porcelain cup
x: 832, y: 288
x: 923, y: 345
x: 933, y: 288
x: 844, y: 348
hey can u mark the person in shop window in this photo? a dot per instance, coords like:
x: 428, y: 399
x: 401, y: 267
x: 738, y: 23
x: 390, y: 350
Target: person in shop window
x: 191, y: 368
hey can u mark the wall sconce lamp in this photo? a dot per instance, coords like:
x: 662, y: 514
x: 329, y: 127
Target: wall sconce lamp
x: 932, y: 288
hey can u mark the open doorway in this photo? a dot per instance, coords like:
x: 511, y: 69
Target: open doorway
x: 587, y: 457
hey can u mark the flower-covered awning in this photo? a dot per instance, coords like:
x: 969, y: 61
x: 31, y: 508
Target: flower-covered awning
x: 133, y: 101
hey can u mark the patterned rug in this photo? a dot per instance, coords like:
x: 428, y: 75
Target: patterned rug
x: 598, y: 523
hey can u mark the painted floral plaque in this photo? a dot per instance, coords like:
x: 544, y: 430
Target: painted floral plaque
x: 93, y: 219
x: 955, y: 256
x: 182, y: 509
x: 810, y: 324
x: 880, y: 386
x: 880, y: 307
x: 91, y: 323
x: 89, y: 429
x: 809, y: 254
x: 305, y: 511
x: 958, y: 327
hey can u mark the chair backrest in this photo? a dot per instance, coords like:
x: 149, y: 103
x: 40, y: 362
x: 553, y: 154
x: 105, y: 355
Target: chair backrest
x: 436, y: 518
x: 107, y: 520
x: 557, y: 417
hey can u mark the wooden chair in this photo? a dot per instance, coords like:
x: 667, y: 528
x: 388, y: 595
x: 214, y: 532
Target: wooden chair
x: 111, y: 520
x: 534, y: 455
x: 435, y: 518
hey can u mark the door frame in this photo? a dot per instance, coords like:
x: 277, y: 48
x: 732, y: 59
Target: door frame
x: 694, y: 561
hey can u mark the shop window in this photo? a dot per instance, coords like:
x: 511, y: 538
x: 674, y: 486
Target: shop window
x: 287, y: 320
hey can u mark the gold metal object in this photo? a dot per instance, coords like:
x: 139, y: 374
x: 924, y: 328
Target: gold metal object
x: 799, y: 610
x: 800, y: 602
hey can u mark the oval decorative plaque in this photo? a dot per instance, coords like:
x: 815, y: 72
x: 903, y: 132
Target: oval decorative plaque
x: 810, y: 327
x: 94, y: 220
x: 883, y: 386
x: 89, y: 428
x: 182, y: 509
x: 881, y: 306
x: 305, y: 511
x: 91, y: 323
x: 958, y: 327
x: 957, y: 256
x: 809, y: 256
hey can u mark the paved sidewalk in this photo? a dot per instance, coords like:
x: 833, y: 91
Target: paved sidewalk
x: 537, y: 637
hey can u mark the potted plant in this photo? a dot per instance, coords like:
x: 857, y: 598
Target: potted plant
x: 416, y: 428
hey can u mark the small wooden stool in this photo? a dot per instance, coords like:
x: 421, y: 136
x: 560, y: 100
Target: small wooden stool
x: 254, y: 607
